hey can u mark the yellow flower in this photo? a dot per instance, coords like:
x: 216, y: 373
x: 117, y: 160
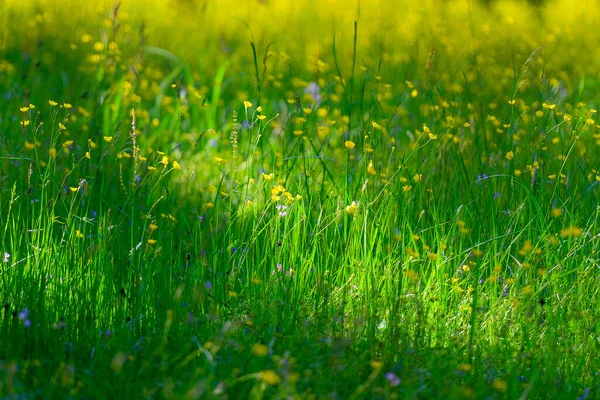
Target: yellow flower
x: 52, y: 103
x: 499, y: 384
x: 165, y: 160
x: 108, y: 139
x: 87, y: 155
x: 247, y: 104
x: 590, y: 121
x: 371, y: 169
x: 261, y: 117
x: 25, y: 123
x: 176, y: 165
x: 352, y: 209
x: 74, y: 189
x: 151, y: 241
x: 510, y: 155
x: 269, y: 377
x: 67, y: 105
x: 260, y: 350
x: 78, y: 233
x: 24, y: 109
x: 571, y: 231
x: 61, y: 126
x: 349, y: 144
x: 375, y: 125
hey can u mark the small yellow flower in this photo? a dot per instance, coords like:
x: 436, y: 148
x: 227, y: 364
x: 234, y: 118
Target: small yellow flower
x: 352, y: 209
x: 152, y: 227
x: 571, y: 231
x: 74, y: 189
x: 78, y: 233
x: 375, y: 125
x: 165, y: 160
x: 24, y: 109
x: 67, y: 106
x: 52, y: 103
x: 247, y: 104
x: 61, y: 126
x: 87, y: 155
x: 349, y: 144
x: 25, y: 123
x: 151, y: 241
x: 261, y: 117
x: 414, y: 93
x: 176, y: 165
x: 500, y: 385
x: 269, y: 377
x: 510, y: 155
x: 376, y: 364
x: 371, y: 169
x: 260, y: 350
x: 590, y: 121
x: 108, y: 139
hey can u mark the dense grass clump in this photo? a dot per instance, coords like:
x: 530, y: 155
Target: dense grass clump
x: 386, y: 199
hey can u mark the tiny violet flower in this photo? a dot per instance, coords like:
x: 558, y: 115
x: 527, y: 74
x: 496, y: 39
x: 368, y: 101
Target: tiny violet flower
x: 282, y: 214
x: 208, y: 285
x: 392, y: 379
x: 23, y: 316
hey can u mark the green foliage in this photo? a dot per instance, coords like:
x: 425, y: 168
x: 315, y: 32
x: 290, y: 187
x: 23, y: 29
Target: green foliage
x: 212, y: 200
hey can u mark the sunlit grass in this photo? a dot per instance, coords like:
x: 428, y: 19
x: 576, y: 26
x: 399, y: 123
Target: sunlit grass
x: 305, y: 200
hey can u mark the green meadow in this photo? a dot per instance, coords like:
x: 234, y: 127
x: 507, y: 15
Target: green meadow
x: 391, y: 199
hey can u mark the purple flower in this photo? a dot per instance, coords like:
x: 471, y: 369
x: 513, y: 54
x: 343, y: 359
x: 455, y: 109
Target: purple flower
x: 208, y: 285
x: 392, y: 379
x: 282, y: 214
x: 496, y: 195
x: 23, y: 316
x: 6, y: 257
x: 233, y: 249
x: 279, y: 267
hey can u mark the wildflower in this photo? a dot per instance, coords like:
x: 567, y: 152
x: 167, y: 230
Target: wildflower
x: 52, y: 103
x: 24, y: 109
x: 349, y: 144
x: 392, y: 379
x: 269, y: 377
x: 6, y: 257
x: 247, y: 104
x: 165, y: 160
x: 67, y: 106
x: 260, y: 350
x: 371, y: 169
x: 571, y: 231
x: 499, y: 384
x: 510, y: 155
x: 352, y: 209
x: 176, y: 165
x: 375, y: 125
x: 108, y: 139
x: 24, y: 316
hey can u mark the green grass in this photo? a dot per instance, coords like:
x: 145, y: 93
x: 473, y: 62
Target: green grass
x: 426, y: 228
